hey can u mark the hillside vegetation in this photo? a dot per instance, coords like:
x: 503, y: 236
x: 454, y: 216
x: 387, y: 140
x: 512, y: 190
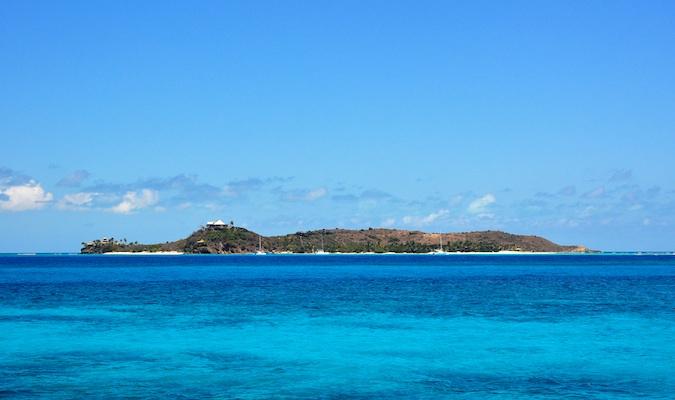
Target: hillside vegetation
x: 237, y: 240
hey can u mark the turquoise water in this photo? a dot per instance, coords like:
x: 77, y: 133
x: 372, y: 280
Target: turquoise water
x: 359, y: 327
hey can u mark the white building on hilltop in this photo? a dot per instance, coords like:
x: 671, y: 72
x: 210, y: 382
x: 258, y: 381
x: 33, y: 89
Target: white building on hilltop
x: 217, y: 224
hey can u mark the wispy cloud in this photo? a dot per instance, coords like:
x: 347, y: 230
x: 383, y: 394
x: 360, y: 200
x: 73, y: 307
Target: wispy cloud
x: 76, y: 201
x: 74, y: 179
x: 533, y: 205
x: 367, y: 198
x: 375, y: 194
x: 237, y: 188
x: 568, y: 191
x: 388, y: 222
x: 455, y: 200
x: 480, y: 205
x: 345, y: 198
x: 621, y: 175
x: 302, y: 195
x: 426, y: 220
x: 9, y: 177
x: 176, y: 182
x: 595, y: 193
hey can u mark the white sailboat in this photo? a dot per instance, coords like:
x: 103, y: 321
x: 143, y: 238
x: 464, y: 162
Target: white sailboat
x: 440, y: 250
x: 260, y: 251
x: 321, y: 251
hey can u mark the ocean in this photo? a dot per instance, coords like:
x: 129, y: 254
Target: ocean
x: 598, y: 326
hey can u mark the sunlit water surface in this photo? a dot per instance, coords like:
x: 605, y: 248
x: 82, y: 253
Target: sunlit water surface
x: 360, y: 327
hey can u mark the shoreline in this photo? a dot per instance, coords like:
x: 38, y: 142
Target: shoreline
x: 504, y: 252
x: 144, y: 253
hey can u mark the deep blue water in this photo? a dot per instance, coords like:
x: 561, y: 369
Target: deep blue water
x: 355, y: 327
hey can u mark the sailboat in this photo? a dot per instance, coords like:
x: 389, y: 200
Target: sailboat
x: 260, y: 251
x: 321, y: 251
x: 440, y: 250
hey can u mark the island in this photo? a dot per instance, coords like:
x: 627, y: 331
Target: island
x: 221, y: 238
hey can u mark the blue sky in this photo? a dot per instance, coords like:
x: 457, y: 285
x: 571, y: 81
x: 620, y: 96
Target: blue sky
x: 144, y: 120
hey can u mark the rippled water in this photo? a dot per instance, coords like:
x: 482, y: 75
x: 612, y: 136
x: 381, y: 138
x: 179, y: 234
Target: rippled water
x: 424, y: 327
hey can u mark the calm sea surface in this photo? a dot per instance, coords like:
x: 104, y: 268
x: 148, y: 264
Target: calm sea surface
x: 354, y: 327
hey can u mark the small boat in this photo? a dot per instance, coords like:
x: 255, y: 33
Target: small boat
x: 260, y: 251
x: 321, y: 251
x: 440, y: 250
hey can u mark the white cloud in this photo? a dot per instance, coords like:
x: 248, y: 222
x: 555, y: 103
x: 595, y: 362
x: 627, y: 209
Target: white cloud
x: 80, y: 199
x: 479, y: 205
x: 134, y: 200
x: 76, y: 201
x: 424, y: 220
x: 432, y: 217
x: 29, y: 196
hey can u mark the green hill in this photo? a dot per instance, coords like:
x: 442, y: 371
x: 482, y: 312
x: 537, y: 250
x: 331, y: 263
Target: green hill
x: 237, y: 240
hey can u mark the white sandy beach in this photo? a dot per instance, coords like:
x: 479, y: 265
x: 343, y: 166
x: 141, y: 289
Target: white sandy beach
x: 504, y: 252
x: 141, y: 253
